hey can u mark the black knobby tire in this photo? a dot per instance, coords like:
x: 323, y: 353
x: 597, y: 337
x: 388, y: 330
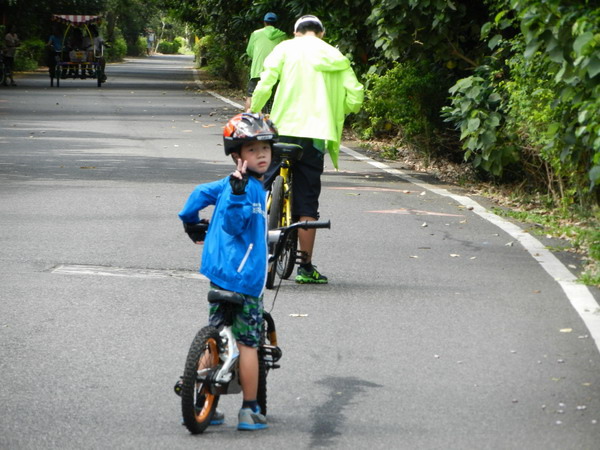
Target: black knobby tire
x: 261, y: 394
x: 198, y: 405
x: 287, y: 260
x: 99, y: 76
x: 276, y: 203
x: 274, y: 221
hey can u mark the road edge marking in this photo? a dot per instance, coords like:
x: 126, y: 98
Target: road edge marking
x: 579, y: 295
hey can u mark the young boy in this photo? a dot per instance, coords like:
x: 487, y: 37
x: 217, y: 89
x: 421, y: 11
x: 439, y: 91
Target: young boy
x: 235, y: 250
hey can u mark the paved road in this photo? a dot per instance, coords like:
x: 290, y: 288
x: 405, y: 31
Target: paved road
x: 438, y: 330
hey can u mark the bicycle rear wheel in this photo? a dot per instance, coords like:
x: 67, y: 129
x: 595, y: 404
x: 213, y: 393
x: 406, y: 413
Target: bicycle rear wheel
x: 198, y: 404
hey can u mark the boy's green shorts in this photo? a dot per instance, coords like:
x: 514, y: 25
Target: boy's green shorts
x: 247, y: 324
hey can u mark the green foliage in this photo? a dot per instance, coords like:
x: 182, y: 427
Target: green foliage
x: 116, y: 51
x: 568, y: 36
x: 403, y: 100
x: 29, y: 55
x: 139, y: 48
x: 211, y: 52
x: 545, y: 85
x: 476, y: 110
x: 439, y: 30
x: 169, y: 47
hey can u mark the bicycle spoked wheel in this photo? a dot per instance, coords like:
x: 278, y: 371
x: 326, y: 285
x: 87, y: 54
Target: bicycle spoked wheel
x: 274, y: 221
x: 287, y: 260
x: 198, y: 404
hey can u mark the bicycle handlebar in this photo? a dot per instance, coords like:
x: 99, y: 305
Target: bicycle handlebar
x: 278, y: 236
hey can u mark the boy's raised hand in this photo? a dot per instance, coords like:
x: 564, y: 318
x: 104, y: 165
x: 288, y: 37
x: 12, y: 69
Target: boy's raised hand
x: 239, y: 178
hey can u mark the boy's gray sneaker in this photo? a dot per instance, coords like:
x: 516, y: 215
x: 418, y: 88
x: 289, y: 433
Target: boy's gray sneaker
x: 250, y: 420
x: 218, y: 418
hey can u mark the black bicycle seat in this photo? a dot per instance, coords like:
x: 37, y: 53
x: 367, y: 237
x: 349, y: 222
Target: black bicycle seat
x: 291, y: 152
x: 223, y: 296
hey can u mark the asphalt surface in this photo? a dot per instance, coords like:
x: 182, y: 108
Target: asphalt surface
x: 436, y: 331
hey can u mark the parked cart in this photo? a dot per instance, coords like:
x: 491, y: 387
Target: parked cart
x: 82, y: 53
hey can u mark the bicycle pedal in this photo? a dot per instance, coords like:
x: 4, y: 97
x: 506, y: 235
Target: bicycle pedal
x: 271, y: 354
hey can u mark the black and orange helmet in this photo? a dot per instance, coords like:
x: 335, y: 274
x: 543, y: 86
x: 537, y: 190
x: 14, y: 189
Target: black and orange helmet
x: 246, y: 127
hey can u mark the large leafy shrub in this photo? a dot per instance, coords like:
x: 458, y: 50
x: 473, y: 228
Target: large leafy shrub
x: 138, y: 48
x: 29, y: 55
x: 117, y: 50
x: 537, y: 99
x: 211, y: 52
x: 403, y: 102
x: 169, y: 47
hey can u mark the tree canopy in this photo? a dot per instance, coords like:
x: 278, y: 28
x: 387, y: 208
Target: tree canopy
x: 518, y: 79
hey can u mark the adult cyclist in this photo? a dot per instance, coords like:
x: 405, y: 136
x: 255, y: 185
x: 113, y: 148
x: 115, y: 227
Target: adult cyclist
x: 317, y: 89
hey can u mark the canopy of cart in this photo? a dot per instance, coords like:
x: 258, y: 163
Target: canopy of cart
x: 76, y: 20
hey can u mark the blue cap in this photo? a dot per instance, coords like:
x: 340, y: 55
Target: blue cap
x: 270, y: 17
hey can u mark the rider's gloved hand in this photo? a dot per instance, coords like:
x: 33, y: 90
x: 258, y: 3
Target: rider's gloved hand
x: 196, y: 231
x: 239, y: 179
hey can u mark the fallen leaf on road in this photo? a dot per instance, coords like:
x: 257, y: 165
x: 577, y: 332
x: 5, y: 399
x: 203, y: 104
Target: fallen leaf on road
x: 413, y: 256
x: 509, y: 244
x: 566, y: 330
x: 424, y: 224
x: 298, y: 315
x: 454, y: 255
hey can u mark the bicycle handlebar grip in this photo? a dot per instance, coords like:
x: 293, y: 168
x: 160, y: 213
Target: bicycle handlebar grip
x: 315, y: 224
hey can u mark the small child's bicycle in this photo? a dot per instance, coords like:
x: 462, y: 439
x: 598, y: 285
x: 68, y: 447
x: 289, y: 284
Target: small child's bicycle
x: 212, y: 364
x: 279, y: 205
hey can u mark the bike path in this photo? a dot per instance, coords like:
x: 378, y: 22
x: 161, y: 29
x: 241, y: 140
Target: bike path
x: 438, y: 329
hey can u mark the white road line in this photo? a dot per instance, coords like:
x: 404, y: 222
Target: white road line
x: 214, y: 94
x: 578, y: 294
x: 85, y: 269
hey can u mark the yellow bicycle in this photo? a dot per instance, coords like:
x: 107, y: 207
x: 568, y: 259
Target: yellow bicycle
x: 279, y: 207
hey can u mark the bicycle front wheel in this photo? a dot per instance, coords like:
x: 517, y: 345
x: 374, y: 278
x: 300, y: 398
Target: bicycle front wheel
x: 274, y: 221
x: 261, y: 394
x: 198, y: 404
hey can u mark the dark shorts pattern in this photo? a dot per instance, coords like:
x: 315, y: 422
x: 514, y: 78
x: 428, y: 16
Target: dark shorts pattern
x: 247, y: 324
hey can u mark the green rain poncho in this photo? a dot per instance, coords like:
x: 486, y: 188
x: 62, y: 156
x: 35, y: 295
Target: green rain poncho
x: 260, y: 44
x: 317, y: 89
